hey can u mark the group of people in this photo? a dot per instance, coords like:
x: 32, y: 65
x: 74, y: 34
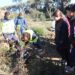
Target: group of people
x: 21, y: 36
x: 21, y: 29
x: 65, y: 35
x: 19, y: 21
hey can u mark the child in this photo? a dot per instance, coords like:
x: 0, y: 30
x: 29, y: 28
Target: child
x: 20, y: 23
x: 8, y: 29
x: 30, y: 37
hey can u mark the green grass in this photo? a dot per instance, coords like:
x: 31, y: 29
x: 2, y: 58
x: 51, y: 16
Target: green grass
x: 0, y: 27
x: 41, y: 31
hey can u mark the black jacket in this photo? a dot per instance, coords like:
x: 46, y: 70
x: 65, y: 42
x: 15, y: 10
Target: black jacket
x: 61, y: 33
x: 72, y: 25
x: 72, y: 30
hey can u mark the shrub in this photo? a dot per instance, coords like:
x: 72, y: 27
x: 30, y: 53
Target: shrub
x: 39, y: 31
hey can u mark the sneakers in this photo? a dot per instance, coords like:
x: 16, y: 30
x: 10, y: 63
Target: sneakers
x: 26, y: 55
x: 69, y: 69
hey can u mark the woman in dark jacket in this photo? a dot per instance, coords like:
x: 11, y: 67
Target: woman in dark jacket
x: 61, y: 35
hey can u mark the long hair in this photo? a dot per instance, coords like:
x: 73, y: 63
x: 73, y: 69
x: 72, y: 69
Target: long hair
x: 62, y: 16
x: 68, y: 24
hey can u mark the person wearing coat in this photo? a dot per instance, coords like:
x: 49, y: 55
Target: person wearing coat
x: 62, y: 35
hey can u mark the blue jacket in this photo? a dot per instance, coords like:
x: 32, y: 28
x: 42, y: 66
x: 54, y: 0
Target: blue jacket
x: 22, y: 22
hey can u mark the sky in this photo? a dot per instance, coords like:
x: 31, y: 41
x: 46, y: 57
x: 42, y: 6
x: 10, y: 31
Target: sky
x: 8, y: 2
x: 72, y: 1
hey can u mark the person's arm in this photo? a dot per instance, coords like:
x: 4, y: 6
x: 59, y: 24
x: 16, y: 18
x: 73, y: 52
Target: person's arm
x: 63, y: 35
x: 25, y: 23
x: 16, y: 22
x: 34, y: 36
